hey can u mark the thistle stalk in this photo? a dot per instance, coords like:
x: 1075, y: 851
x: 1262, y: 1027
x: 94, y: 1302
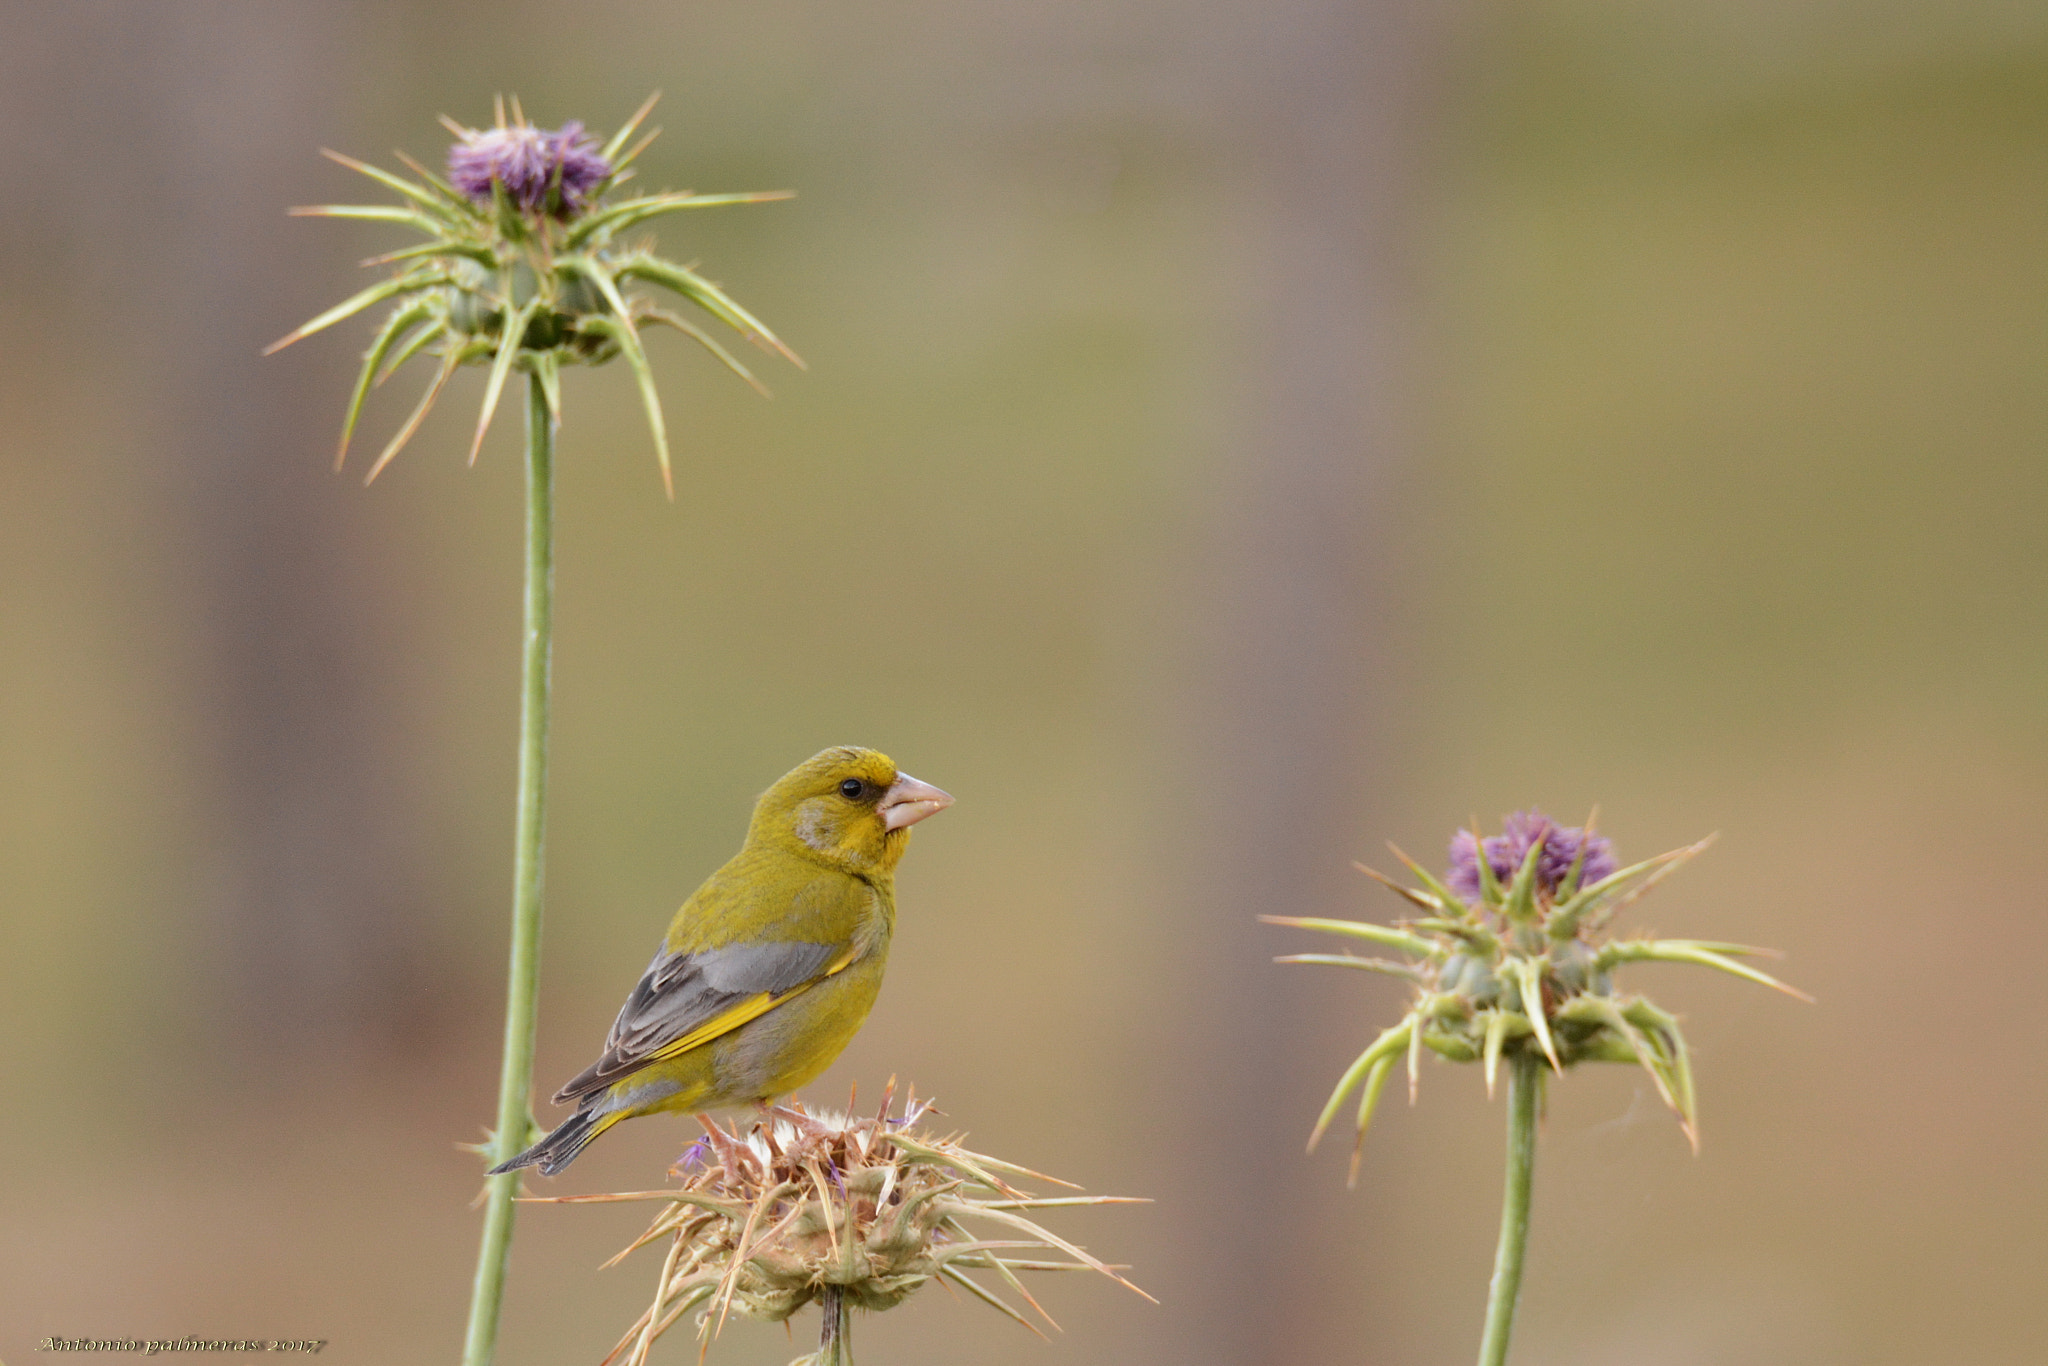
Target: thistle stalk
x: 515, y: 1078
x: 1525, y: 1086
x: 834, y: 1348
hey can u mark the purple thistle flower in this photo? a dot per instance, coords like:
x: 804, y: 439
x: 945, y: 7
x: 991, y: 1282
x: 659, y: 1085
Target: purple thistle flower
x: 1520, y: 833
x: 531, y: 163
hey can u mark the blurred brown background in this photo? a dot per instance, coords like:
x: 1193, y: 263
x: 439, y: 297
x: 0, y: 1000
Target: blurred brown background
x: 1237, y: 433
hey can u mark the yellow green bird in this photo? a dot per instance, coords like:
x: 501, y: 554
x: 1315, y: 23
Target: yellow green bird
x: 770, y: 968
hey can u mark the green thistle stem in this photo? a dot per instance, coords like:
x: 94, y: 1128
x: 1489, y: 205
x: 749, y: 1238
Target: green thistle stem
x: 1525, y: 1086
x: 515, y: 1079
x: 835, y: 1345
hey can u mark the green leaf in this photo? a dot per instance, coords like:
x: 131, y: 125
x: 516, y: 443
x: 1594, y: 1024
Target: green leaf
x: 1344, y: 960
x: 1570, y: 885
x: 376, y: 213
x: 416, y: 343
x: 476, y: 348
x: 1665, y: 1027
x: 1717, y: 946
x: 622, y: 332
x: 1685, y: 951
x: 482, y: 255
x: 1450, y: 1045
x: 1415, y: 1056
x: 1368, y: 1102
x: 708, y: 297
x: 1521, y: 902
x: 600, y: 278
x: 1360, y: 929
x: 1391, y: 1041
x: 1498, y: 1027
x: 1425, y: 900
x: 1471, y: 932
x: 1489, y: 885
x: 1610, y: 894
x: 622, y: 169
x: 419, y: 414
x: 1606, y: 1046
x: 1443, y: 1005
x: 610, y: 151
x: 1452, y: 903
x: 620, y: 329
x: 394, y: 326
x: 511, y: 225
x: 501, y: 366
x: 1652, y: 1059
x: 1528, y: 974
x: 419, y: 195
x: 668, y: 319
x: 617, y: 217
x: 448, y: 192
x: 356, y: 303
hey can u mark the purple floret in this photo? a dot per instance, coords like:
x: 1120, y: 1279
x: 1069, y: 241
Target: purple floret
x: 527, y: 161
x: 1522, y: 832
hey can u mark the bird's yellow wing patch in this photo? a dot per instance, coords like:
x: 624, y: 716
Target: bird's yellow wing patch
x: 737, y: 1014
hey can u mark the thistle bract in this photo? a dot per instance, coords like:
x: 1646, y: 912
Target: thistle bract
x: 864, y: 1210
x: 1511, y: 954
x: 524, y: 269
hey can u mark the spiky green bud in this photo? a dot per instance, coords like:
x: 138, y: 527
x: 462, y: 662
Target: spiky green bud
x: 523, y: 270
x: 1511, y: 956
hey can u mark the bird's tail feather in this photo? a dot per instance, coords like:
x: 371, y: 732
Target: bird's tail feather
x: 559, y: 1148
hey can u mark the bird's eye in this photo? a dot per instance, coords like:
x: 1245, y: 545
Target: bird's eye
x: 853, y: 789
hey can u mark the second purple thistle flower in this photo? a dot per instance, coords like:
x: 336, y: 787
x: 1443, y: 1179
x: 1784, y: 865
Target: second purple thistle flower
x: 540, y: 170
x: 1522, y: 832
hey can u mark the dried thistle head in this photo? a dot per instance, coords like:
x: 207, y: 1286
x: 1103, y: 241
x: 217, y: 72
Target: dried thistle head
x: 523, y: 269
x: 1511, y: 957
x: 869, y: 1209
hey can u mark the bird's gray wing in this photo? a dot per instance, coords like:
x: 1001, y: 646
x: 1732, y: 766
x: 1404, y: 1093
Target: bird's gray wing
x: 687, y: 999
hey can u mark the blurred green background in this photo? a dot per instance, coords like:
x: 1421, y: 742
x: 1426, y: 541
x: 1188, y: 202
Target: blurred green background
x: 1236, y: 434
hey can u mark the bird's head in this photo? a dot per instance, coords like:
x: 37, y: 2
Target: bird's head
x: 847, y: 806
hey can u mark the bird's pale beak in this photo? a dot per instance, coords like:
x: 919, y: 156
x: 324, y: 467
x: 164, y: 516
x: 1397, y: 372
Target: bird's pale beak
x: 909, y: 801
